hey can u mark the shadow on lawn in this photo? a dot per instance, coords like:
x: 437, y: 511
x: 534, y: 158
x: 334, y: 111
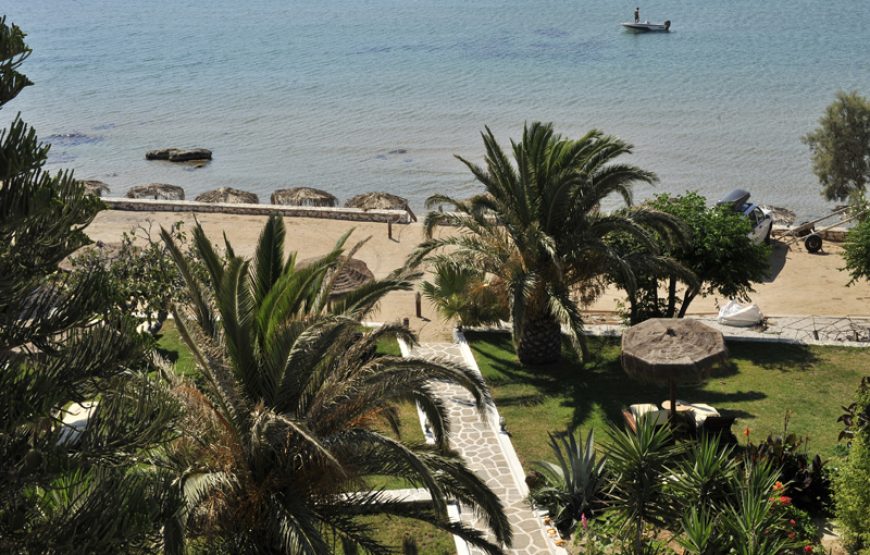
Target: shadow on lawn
x: 778, y: 356
x: 602, y: 383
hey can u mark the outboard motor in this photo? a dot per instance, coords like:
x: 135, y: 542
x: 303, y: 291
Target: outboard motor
x: 667, y: 25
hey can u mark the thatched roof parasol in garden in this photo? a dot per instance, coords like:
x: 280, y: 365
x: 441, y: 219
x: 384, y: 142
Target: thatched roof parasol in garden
x: 303, y: 196
x: 156, y: 191
x: 672, y: 351
x: 94, y: 187
x: 228, y: 195
x: 352, y: 274
x: 380, y: 201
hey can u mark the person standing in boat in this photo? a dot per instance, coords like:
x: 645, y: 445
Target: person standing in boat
x: 637, y: 15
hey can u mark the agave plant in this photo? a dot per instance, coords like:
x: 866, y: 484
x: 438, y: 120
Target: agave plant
x: 288, y: 429
x: 574, y: 487
x: 639, y: 467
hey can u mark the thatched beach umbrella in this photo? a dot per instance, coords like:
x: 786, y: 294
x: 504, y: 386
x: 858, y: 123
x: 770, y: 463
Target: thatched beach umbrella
x: 380, y: 201
x: 228, y: 195
x: 156, y: 191
x: 352, y: 274
x: 672, y: 351
x: 303, y: 196
x: 94, y: 187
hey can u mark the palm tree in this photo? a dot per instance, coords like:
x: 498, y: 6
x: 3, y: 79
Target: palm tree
x: 285, y: 433
x: 540, y: 228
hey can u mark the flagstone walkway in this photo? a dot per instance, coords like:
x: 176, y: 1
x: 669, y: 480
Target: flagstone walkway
x: 485, y: 452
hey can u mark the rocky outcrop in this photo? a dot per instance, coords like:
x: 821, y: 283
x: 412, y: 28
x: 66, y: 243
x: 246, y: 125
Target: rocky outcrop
x: 228, y: 195
x: 157, y: 191
x: 179, y: 154
x: 94, y: 187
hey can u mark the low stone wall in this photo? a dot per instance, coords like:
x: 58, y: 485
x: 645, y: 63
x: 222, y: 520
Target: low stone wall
x: 351, y: 214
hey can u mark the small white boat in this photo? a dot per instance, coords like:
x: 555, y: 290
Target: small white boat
x: 646, y: 27
x: 734, y: 314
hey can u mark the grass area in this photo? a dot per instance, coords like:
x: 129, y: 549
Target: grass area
x: 393, y: 530
x: 760, y: 383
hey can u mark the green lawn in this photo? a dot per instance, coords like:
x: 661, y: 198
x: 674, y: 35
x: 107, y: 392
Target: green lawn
x: 761, y: 382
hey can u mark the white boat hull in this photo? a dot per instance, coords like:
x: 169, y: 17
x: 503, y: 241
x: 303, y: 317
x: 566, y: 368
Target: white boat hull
x: 647, y: 27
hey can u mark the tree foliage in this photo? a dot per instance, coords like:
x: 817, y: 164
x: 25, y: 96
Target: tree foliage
x: 288, y: 431
x: 719, y: 254
x: 540, y: 229
x: 67, y: 486
x: 840, y: 146
x: 856, y: 251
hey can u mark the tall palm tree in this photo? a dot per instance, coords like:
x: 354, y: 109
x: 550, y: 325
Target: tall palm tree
x: 285, y: 433
x: 539, y: 227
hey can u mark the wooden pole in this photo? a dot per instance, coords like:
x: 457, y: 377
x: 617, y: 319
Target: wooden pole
x: 418, y: 303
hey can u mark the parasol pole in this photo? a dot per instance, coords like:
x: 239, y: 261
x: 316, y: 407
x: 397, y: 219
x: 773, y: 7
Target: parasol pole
x: 672, y: 388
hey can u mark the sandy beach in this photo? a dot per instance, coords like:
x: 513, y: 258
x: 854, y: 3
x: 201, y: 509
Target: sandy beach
x: 800, y: 283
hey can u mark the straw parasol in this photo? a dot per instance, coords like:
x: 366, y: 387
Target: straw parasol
x: 228, y: 195
x: 380, y: 201
x: 157, y: 191
x: 303, y: 196
x: 352, y: 274
x: 94, y: 187
x: 672, y: 351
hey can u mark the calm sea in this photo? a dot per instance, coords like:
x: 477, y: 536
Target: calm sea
x: 360, y: 95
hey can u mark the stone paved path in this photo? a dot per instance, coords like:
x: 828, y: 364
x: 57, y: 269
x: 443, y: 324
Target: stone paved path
x: 478, y: 443
x: 811, y: 330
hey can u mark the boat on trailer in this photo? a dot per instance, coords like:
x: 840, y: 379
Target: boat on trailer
x: 647, y: 27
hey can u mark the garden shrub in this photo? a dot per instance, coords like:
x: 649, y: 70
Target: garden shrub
x: 852, y: 481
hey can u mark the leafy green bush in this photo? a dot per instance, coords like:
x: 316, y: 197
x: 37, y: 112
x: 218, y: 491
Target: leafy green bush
x: 852, y: 481
x: 807, y: 478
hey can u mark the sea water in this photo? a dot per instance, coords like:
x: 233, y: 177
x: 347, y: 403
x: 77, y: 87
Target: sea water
x: 360, y: 95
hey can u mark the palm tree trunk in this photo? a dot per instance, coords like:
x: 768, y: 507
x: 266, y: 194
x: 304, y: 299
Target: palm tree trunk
x: 540, y: 340
x: 672, y: 296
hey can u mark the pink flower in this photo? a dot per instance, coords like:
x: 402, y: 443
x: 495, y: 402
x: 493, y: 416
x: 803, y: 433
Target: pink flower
x: 808, y: 548
x: 583, y: 520
x: 792, y: 535
x: 792, y: 523
x: 785, y: 500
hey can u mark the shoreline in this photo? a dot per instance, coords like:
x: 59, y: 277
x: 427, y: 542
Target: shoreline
x: 801, y: 284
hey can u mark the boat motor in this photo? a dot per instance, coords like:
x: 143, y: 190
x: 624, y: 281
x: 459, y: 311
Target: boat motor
x: 667, y: 25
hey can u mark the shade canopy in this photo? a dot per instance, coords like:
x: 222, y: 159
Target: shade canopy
x: 94, y: 187
x: 303, y: 196
x: 157, y: 191
x: 380, y: 201
x: 352, y: 274
x: 672, y: 350
x: 228, y: 195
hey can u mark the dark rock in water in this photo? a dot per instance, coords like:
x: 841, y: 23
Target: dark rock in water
x: 72, y: 139
x: 178, y: 154
x: 157, y: 191
x: 398, y: 151
x: 228, y: 195
x: 94, y: 187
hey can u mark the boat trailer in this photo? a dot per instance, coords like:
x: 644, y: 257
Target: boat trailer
x: 811, y: 236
